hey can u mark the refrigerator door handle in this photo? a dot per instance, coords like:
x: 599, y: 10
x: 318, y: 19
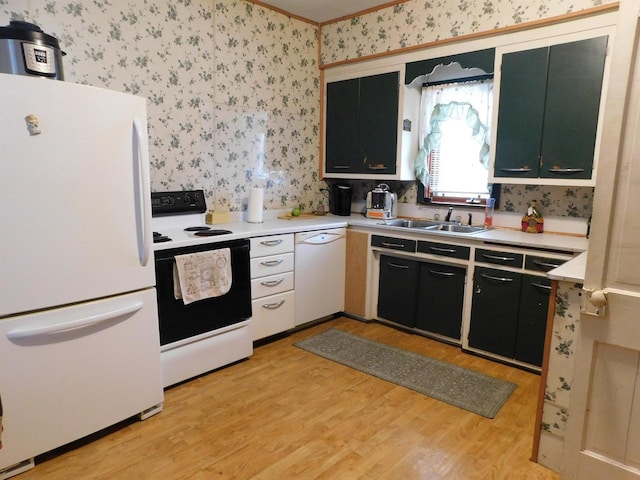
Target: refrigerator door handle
x: 142, y: 192
x: 21, y: 333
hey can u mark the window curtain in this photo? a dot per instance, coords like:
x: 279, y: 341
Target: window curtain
x: 469, y: 100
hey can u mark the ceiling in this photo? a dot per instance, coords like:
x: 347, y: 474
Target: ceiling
x: 323, y: 10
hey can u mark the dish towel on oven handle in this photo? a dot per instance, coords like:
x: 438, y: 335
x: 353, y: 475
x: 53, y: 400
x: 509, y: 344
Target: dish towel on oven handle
x: 201, y: 275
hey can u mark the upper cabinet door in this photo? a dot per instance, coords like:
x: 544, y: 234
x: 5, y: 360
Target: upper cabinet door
x: 342, y: 126
x: 574, y: 86
x: 548, y: 111
x: 520, y: 114
x: 361, y: 135
x: 378, y: 123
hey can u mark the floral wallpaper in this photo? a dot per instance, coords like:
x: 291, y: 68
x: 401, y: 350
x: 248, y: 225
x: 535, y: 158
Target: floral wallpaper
x: 416, y: 22
x: 556, y: 201
x: 233, y: 91
x: 232, y: 88
x: 557, y: 394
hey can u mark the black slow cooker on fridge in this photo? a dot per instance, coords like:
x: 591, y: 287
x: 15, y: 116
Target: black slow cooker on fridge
x: 26, y: 50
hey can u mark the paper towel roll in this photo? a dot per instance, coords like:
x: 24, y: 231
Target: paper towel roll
x: 255, y: 205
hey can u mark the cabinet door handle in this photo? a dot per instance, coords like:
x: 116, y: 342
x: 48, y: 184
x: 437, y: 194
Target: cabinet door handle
x: 497, y: 279
x: 566, y: 170
x: 540, y: 286
x: 271, y: 243
x: 392, y: 245
x: 515, y: 170
x: 496, y: 257
x: 546, y: 264
x: 343, y: 167
x: 442, y: 274
x: 272, y: 283
x: 397, y: 265
x: 273, y: 306
x: 272, y: 263
x: 442, y: 250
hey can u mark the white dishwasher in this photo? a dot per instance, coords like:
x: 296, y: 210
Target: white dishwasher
x: 319, y: 273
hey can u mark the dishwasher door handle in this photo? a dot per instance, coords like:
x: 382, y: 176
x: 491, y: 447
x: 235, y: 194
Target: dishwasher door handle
x: 322, y: 238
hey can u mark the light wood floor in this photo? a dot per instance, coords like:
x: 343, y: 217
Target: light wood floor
x: 288, y: 414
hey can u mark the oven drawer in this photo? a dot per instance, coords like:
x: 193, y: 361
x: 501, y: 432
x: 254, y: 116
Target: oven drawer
x: 271, y: 265
x: 271, y: 245
x: 273, y: 314
x: 263, y: 286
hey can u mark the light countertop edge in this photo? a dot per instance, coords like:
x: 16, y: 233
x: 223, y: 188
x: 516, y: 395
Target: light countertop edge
x: 571, y: 271
x: 278, y: 226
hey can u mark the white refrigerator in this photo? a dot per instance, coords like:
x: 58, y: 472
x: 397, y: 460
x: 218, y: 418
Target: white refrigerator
x: 79, y: 342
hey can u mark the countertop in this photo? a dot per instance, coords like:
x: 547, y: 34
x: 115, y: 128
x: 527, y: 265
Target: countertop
x: 549, y: 241
x: 271, y: 226
x: 277, y: 226
x: 571, y: 271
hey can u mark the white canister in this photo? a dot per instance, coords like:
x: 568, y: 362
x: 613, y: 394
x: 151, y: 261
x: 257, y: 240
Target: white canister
x: 255, y: 205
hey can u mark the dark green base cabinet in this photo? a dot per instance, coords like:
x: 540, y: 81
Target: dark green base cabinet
x: 397, y: 290
x: 440, y: 294
x: 509, y: 314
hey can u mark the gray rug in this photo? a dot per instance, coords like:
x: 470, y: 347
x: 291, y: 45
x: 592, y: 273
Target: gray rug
x: 464, y: 388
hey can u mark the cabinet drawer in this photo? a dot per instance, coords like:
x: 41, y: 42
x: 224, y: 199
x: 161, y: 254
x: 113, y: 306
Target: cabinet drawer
x: 542, y: 264
x: 443, y: 249
x: 271, y: 245
x: 271, y: 265
x: 499, y: 258
x: 273, y: 314
x: 393, y: 243
x: 263, y: 286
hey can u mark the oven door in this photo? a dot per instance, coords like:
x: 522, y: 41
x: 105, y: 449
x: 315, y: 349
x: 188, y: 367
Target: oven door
x: 179, y: 321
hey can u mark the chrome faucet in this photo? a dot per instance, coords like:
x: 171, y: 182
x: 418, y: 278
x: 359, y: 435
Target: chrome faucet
x: 448, y: 217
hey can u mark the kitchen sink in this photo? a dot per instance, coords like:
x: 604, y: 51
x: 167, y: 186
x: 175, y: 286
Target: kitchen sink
x: 454, y: 228
x: 412, y: 223
x: 433, y: 226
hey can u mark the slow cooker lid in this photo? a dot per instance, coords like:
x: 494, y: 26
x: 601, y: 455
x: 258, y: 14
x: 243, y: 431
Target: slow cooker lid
x: 19, y: 30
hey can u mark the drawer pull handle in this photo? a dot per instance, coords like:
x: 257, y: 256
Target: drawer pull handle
x: 273, y: 306
x: 566, y: 170
x: 542, y: 287
x: 271, y: 243
x: 340, y: 166
x: 392, y: 245
x: 523, y: 169
x: 396, y: 265
x: 376, y: 167
x: 272, y: 283
x: 442, y: 274
x: 496, y: 257
x: 443, y: 250
x: 272, y: 263
x: 497, y: 279
x: 546, y: 264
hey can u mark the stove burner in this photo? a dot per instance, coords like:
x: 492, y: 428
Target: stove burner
x: 196, y: 229
x: 159, y: 238
x: 211, y: 233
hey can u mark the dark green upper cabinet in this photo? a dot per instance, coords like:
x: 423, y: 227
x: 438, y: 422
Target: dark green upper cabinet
x: 548, y: 111
x: 362, y: 125
x: 342, y: 125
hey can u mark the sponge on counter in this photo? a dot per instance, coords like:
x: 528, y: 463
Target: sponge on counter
x: 212, y: 217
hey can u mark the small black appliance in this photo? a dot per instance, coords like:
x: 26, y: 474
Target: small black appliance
x: 340, y: 199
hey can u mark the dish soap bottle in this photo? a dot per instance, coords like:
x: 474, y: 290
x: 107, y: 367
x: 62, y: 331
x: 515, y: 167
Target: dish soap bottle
x: 533, y: 222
